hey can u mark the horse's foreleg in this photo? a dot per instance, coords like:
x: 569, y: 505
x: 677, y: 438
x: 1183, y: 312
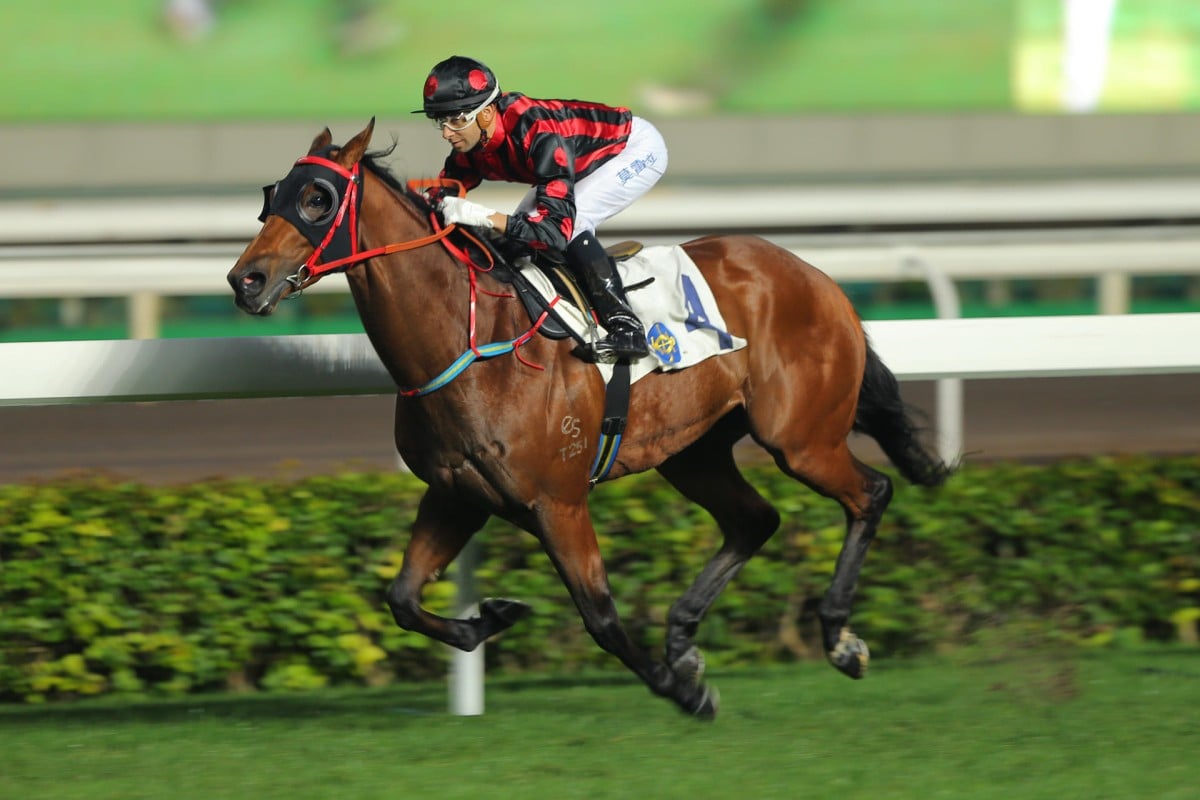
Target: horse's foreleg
x: 707, y: 474
x: 443, y: 527
x: 570, y: 541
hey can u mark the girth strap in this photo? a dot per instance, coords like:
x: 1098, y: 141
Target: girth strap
x: 616, y: 414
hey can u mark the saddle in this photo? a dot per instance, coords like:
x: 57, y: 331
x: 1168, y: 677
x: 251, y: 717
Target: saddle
x: 505, y: 256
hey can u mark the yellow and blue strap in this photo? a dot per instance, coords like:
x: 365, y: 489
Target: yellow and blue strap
x: 616, y: 414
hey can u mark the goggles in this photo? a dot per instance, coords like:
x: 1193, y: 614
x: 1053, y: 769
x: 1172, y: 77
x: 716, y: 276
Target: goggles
x: 460, y: 120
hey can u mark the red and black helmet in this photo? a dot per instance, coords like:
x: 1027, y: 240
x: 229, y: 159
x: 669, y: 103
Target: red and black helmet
x: 458, y: 84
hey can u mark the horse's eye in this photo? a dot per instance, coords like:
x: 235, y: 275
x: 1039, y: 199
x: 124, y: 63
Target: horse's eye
x: 316, y: 204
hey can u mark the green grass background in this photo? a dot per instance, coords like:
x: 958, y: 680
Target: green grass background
x: 1006, y: 722
x: 113, y: 59
x: 66, y: 60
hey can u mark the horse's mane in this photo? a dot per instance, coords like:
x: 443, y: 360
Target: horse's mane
x: 373, y: 162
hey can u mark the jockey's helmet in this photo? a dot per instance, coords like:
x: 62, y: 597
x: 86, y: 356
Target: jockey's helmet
x: 458, y: 84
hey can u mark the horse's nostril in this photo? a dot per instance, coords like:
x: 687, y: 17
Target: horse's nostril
x: 253, y: 282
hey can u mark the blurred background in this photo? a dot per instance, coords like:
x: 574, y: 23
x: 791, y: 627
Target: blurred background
x: 139, y: 131
x: 196, y: 60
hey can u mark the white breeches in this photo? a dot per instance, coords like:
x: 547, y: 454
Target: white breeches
x: 614, y: 186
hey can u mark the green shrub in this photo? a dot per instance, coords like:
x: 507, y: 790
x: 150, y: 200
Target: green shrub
x: 118, y: 587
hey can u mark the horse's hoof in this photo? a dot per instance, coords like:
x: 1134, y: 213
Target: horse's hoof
x: 850, y: 656
x: 710, y: 702
x: 689, y: 667
x: 502, y: 612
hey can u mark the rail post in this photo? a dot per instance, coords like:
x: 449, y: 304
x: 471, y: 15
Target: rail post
x: 949, y: 391
x: 466, y: 669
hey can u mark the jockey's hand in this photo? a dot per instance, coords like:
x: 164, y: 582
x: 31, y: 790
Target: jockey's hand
x: 456, y: 210
x: 435, y: 195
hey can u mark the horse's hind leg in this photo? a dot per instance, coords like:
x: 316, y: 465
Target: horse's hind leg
x: 442, y: 528
x: 864, y: 494
x: 707, y: 474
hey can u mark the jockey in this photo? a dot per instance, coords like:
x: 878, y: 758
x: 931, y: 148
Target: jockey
x: 584, y: 161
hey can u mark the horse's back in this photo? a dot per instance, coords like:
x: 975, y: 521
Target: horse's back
x: 769, y: 294
x: 806, y: 350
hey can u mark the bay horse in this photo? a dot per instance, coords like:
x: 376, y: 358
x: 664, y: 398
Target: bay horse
x: 498, y: 431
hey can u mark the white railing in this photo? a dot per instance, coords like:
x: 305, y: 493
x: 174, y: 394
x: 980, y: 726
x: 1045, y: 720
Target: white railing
x: 41, y: 373
x: 146, y: 249
x: 123, y: 370
x: 145, y: 275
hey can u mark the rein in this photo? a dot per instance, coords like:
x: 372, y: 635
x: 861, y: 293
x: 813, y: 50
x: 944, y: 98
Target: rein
x: 475, y: 352
x: 310, y: 271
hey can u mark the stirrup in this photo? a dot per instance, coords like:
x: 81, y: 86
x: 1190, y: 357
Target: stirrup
x: 605, y: 352
x: 621, y: 342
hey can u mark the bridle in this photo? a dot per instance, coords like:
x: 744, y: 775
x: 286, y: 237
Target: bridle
x: 334, y: 234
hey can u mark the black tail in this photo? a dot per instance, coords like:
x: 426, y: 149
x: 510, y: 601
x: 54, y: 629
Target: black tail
x: 885, y: 417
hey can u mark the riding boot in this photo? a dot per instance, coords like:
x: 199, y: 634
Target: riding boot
x: 597, y: 274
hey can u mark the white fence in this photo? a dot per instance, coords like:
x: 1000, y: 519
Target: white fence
x: 145, y: 250
x: 42, y: 373
x: 52, y: 373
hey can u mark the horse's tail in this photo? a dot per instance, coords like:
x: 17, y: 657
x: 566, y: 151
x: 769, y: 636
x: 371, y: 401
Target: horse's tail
x: 887, y: 419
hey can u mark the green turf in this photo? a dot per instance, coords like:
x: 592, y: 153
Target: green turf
x: 1013, y: 724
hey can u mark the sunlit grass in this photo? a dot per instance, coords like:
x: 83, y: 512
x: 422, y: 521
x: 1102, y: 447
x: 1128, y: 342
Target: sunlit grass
x: 998, y: 724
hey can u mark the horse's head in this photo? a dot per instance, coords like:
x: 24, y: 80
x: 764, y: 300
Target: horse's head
x: 309, y: 216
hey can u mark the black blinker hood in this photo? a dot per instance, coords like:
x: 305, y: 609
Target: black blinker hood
x: 283, y: 200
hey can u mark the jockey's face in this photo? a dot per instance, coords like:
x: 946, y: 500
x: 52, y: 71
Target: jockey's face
x: 469, y: 131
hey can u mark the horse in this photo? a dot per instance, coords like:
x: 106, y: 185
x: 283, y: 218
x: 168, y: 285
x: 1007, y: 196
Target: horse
x: 496, y: 432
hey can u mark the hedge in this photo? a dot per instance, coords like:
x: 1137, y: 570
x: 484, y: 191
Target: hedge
x: 116, y: 587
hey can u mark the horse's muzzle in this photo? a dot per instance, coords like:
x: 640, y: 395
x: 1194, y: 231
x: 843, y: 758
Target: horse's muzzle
x: 253, y: 290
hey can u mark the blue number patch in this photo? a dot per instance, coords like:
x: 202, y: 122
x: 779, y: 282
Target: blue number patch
x: 698, y: 318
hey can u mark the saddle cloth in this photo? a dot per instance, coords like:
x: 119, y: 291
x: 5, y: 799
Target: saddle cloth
x: 671, y: 298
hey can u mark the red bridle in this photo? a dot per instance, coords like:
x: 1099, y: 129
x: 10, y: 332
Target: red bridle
x: 310, y: 271
x: 348, y: 210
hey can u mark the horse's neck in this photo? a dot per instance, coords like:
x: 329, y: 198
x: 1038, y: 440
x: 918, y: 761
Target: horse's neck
x: 414, y: 304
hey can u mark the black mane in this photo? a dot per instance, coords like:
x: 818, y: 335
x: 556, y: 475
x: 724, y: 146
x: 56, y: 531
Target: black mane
x: 373, y: 162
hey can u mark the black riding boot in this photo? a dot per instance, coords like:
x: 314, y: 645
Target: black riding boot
x: 598, y: 276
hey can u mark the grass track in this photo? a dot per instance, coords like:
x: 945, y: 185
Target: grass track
x: 1046, y: 725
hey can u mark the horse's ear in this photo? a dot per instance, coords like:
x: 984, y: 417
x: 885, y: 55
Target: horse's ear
x: 354, y: 149
x: 322, y: 140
